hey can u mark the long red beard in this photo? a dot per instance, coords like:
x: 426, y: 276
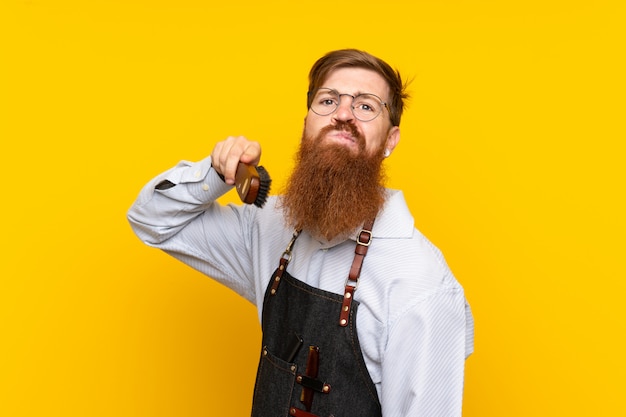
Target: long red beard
x: 333, y: 190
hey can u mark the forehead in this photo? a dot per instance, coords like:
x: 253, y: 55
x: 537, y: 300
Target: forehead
x: 357, y: 81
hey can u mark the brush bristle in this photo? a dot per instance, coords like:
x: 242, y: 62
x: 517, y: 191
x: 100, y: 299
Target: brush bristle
x: 264, y: 186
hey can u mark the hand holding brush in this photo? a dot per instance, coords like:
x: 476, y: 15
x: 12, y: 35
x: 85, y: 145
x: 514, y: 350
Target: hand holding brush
x: 252, y: 182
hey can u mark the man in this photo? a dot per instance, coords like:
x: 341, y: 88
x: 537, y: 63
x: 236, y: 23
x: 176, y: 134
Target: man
x: 360, y: 314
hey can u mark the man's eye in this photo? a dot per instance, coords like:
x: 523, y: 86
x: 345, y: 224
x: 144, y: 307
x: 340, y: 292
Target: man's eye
x: 366, y: 107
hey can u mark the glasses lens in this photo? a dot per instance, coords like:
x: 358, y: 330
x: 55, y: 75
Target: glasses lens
x: 366, y: 107
x: 325, y: 101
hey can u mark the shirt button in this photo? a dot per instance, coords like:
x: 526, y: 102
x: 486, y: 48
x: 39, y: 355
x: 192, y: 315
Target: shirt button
x: 197, y: 174
x: 205, y: 187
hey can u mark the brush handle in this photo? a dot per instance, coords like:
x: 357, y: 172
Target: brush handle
x: 253, y: 184
x: 247, y: 182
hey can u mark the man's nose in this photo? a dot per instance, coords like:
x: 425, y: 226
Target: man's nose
x: 344, y: 110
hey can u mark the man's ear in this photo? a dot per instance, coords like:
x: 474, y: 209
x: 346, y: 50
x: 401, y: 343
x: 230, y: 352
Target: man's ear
x: 393, y: 137
x: 304, y: 125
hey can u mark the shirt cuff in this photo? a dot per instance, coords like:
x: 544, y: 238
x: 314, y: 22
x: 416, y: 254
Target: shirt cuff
x: 200, y: 180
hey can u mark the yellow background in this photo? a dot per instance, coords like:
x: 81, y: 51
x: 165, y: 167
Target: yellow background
x: 511, y: 158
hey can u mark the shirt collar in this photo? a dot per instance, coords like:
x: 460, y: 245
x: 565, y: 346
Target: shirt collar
x: 394, y: 221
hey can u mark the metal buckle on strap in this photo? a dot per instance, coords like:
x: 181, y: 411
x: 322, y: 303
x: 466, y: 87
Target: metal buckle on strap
x: 286, y: 256
x: 282, y: 265
x: 369, y: 237
x: 354, y: 283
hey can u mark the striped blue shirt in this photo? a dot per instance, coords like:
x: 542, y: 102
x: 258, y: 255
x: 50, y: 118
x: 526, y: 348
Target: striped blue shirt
x: 414, y: 324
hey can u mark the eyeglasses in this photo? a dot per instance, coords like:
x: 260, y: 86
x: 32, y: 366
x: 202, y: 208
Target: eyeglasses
x: 365, y: 107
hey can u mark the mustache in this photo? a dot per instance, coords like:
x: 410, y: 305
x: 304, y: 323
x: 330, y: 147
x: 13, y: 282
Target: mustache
x: 343, y: 126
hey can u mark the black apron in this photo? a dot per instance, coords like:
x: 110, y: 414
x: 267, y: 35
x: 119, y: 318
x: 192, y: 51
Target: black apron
x: 311, y: 363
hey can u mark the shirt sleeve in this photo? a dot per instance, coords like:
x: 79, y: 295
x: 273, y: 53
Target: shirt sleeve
x: 423, y: 366
x: 183, y: 219
x: 160, y: 212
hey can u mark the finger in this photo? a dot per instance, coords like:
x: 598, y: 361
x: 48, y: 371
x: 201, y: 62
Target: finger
x: 232, y: 154
x: 251, y: 154
x: 218, y: 156
x: 228, y: 153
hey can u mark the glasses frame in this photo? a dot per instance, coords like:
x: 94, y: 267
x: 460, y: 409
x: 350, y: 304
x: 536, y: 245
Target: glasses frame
x: 311, y: 95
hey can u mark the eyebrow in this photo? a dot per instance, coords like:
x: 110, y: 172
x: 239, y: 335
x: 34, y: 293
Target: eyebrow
x: 328, y: 88
x: 359, y: 93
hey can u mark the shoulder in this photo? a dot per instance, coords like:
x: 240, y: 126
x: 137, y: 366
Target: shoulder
x: 409, y: 268
x: 412, y: 266
x: 404, y: 250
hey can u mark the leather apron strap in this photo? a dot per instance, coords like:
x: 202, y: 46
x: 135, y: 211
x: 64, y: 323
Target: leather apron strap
x: 363, y: 241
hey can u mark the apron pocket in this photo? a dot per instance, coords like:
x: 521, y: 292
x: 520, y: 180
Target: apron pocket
x: 275, y: 382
